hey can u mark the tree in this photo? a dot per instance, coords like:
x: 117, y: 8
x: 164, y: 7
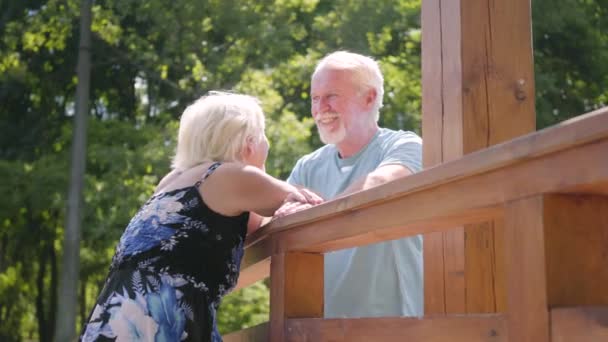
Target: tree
x: 152, y: 58
x: 66, y: 319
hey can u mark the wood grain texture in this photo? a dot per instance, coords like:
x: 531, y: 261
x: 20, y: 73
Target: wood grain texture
x: 498, y: 102
x: 527, y: 308
x: 576, y: 235
x: 259, y: 333
x: 296, y: 289
x: 474, y: 328
x: 579, y: 324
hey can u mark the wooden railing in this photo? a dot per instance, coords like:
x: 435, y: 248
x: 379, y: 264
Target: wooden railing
x: 550, y: 188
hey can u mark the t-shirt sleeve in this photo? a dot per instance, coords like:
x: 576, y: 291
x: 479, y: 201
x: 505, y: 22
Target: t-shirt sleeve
x: 404, y: 149
x: 295, y: 178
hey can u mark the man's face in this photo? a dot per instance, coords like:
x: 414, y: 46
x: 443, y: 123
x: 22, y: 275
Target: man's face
x: 338, y: 106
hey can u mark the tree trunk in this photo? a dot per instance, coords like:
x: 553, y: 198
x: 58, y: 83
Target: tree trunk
x: 68, y: 290
x: 40, y: 307
x: 53, y: 287
x: 83, y: 300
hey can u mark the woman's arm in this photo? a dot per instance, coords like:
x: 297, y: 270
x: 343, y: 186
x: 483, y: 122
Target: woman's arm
x: 236, y: 188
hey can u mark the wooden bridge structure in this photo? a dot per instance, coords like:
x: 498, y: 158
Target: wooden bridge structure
x: 515, y: 222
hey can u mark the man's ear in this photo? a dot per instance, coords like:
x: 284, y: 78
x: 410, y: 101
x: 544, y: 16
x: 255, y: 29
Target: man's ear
x: 370, y: 97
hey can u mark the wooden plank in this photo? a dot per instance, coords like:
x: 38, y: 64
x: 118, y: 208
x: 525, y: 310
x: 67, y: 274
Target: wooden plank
x: 583, y: 324
x: 432, y: 102
x: 498, y: 75
x: 568, y: 135
x: 432, y: 151
x: 296, y: 289
x: 454, y: 263
x: 528, y: 318
x: 499, y: 274
x: 304, y: 285
x: 480, y: 268
x: 472, y: 328
x: 498, y: 100
x: 259, y: 333
x: 457, y: 202
x: 434, y: 277
x: 576, y: 235
x: 278, y: 276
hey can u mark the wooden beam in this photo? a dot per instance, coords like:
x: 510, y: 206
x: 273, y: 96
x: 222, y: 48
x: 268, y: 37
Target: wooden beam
x: 472, y: 328
x: 296, y: 289
x: 583, y: 130
x: 461, y: 201
x: 432, y: 131
x: 464, y: 191
x: 582, y: 324
x: 527, y: 309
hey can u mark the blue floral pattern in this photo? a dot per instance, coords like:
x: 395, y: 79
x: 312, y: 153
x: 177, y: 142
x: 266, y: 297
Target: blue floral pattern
x: 174, y: 262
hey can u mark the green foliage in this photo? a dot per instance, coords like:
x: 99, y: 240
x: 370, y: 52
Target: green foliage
x: 244, y: 308
x: 152, y: 58
x: 571, y: 50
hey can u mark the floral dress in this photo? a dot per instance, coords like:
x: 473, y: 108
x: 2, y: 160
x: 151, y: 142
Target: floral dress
x: 174, y: 262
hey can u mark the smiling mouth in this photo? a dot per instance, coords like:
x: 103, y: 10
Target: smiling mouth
x: 327, y: 119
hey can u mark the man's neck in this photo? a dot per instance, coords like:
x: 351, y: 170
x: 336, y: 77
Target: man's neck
x: 351, y: 146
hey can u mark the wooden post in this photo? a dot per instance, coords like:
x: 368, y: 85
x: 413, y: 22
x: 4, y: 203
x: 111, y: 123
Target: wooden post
x: 296, y: 289
x: 477, y: 91
x: 527, y: 309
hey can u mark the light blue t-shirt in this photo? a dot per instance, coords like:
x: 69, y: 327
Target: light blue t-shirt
x: 383, y: 279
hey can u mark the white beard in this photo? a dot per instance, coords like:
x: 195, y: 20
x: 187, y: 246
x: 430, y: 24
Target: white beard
x: 328, y: 137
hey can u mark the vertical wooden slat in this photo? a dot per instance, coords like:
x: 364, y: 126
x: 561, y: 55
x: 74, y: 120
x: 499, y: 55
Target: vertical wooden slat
x: 499, y: 264
x: 480, y: 270
x: 455, y: 299
x: 432, y: 126
x: 296, y: 289
x: 527, y: 312
x: 577, y: 249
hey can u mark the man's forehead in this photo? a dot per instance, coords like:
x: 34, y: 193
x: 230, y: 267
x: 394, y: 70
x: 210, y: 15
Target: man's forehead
x: 332, y: 78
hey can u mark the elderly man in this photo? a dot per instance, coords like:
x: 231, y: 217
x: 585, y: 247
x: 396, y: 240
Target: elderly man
x: 383, y: 279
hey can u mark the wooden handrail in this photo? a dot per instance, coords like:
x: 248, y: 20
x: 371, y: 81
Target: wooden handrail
x: 471, y: 189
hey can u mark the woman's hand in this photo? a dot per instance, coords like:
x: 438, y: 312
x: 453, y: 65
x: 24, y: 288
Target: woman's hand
x: 298, y: 201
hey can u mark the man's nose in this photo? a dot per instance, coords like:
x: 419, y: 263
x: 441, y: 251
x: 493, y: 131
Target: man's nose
x: 323, y: 106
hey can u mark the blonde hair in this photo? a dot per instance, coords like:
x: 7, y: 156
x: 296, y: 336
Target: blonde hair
x: 365, y: 70
x: 216, y: 128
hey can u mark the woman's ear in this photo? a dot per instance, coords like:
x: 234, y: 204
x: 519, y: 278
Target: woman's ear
x: 247, y: 149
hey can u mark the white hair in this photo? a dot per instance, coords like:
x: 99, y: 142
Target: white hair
x: 216, y: 128
x: 365, y: 70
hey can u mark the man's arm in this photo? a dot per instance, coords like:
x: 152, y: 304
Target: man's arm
x: 401, y: 157
x: 381, y: 175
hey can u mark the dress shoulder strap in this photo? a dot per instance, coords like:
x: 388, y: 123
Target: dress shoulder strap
x: 208, y: 173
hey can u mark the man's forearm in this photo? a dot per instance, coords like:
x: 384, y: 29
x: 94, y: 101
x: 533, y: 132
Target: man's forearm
x: 379, y: 176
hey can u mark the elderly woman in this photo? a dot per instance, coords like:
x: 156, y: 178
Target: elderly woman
x: 181, y: 252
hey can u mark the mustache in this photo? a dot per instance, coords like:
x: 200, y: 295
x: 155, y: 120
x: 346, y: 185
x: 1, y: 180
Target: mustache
x: 327, y: 115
